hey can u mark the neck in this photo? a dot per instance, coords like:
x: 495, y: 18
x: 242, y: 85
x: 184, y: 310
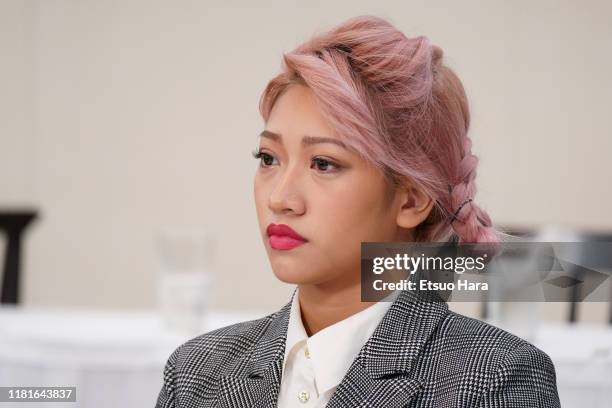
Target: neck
x: 323, y: 306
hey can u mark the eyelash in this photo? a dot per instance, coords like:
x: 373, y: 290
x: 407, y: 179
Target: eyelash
x: 258, y: 154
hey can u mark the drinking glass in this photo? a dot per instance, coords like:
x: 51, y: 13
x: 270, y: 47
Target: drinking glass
x: 184, y: 277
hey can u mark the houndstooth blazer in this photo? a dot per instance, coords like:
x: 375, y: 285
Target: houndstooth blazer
x: 420, y: 355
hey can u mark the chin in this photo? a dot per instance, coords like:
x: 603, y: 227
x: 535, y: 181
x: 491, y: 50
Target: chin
x: 292, y: 279
x: 288, y: 272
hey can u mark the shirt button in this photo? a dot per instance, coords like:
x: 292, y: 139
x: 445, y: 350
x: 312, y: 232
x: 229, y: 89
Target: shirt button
x: 303, y: 396
x: 306, y: 352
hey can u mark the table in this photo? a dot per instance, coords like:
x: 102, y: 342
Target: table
x: 582, y: 355
x: 114, y: 358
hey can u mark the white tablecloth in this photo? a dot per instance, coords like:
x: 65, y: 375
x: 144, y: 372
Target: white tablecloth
x: 115, y: 359
x: 582, y: 355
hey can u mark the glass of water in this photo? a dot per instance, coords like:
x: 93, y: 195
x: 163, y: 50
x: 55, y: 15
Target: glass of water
x: 185, y: 262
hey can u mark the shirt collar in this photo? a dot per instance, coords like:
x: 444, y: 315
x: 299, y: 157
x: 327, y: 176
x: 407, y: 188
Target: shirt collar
x: 333, y: 349
x: 295, y: 328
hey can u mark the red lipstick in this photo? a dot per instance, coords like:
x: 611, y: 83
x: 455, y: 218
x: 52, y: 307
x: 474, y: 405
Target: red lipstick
x: 283, y: 237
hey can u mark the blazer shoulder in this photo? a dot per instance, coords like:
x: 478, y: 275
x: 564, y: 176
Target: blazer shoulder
x: 217, y: 348
x: 485, y: 341
x: 458, y: 325
x: 206, y: 357
x: 496, y: 365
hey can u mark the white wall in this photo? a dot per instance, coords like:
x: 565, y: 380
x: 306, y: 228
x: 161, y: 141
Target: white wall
x: 118, y: 117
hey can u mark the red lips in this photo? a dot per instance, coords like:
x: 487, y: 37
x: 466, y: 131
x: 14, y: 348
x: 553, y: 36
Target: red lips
x: 283, y: 237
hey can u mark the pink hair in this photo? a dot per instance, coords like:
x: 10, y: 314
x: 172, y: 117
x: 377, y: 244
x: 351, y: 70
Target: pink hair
x: 395, y: 103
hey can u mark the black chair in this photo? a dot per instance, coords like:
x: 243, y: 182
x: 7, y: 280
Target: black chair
x: 13, y: 224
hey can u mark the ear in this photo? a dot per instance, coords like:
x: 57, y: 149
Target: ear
x: 415, y: 206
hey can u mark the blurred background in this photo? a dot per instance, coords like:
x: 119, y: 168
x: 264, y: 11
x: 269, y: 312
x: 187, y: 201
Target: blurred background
x: 126, y: 209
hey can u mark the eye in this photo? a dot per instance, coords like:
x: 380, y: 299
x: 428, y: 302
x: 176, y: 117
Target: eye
x: 266, y: 159
x: 324, y: 165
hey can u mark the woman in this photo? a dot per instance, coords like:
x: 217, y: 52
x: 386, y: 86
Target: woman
x: 365, y: 140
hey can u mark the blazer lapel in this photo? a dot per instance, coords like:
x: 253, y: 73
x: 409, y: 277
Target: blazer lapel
x: 255, y: 383
x: 359, y: 388
x: 381, y: 375
x: 252, y: 391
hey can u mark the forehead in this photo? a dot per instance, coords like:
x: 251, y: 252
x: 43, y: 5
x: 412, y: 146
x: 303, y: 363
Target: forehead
x: 296, y: 112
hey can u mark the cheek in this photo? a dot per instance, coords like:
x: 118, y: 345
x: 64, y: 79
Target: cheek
x: 351, y: 213
x: 260, y: 195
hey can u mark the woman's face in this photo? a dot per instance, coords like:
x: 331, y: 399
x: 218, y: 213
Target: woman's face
x: 323, y: 191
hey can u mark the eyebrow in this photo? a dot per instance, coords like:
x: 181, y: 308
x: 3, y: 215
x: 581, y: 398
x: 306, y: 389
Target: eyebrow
x: 306, y: 140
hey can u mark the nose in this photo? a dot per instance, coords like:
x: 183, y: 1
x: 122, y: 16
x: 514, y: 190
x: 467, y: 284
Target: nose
x: 285, y: 196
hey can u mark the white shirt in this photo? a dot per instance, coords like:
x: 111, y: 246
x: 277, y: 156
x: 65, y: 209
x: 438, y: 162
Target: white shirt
x: 314, y: 366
